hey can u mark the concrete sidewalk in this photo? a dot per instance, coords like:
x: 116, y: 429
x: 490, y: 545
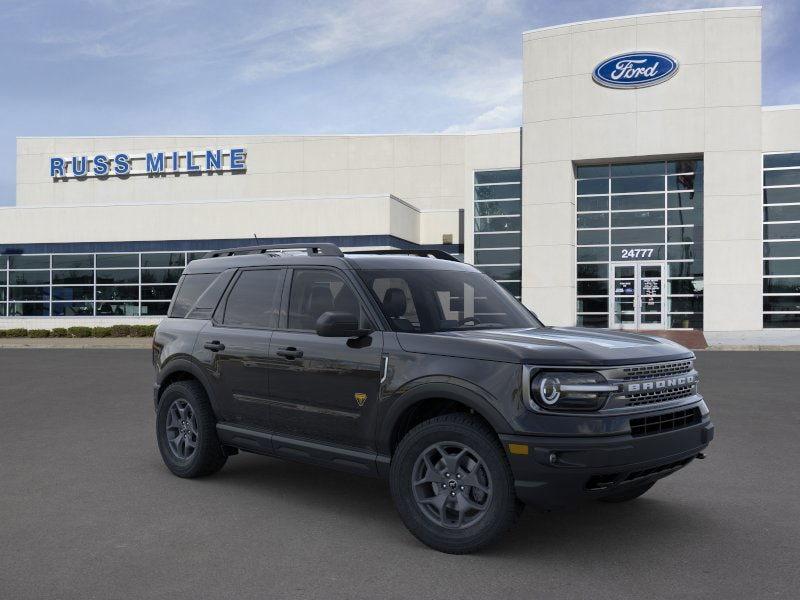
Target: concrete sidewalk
x: 77, y: 343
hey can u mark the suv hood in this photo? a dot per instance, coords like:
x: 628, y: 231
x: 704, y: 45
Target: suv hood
x: 567, y: 346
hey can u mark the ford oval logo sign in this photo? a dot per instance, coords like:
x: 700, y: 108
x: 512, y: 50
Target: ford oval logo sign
x: 635, y: 70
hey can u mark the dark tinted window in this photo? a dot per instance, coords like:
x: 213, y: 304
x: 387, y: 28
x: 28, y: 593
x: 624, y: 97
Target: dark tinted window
x: 189, y: 291
x: 315, y: 292
x: 254, y: 299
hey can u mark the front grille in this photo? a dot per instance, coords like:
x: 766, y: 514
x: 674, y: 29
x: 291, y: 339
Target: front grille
x: 652, y: 397
x: 665, y: 422
x: 656, y: 370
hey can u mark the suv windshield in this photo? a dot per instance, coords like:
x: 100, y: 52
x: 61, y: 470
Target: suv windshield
x: 432, y: 300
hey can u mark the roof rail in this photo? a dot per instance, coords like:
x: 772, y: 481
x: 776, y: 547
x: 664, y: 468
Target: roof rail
x: 324, y: 249
x: 440, y: 254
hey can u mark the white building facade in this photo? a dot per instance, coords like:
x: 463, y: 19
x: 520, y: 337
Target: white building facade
x: 647, y: 188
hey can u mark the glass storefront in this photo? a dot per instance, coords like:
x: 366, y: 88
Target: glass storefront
x: 640, y: 245
x: 497, y: 227
x: 781, y: 279
x: 98, y: 284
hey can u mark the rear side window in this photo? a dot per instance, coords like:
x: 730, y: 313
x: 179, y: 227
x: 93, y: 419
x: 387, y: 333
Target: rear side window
x: 254, y: 299
x: 189, y: 291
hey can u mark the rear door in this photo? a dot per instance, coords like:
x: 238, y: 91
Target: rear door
x: 235, y: 343
x: 324, y: 389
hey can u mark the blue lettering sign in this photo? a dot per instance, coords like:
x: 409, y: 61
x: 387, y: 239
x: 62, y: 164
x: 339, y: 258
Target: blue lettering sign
x: 635, y: 70
x: 122, y: 166
x: 237, y: 159
x: 176, y: 162
x: 79, y: 166
x: 56, y: 167
x: 100, y: 164
x: 190, y: 166
x: 154, y: 163
x: 213, y: 160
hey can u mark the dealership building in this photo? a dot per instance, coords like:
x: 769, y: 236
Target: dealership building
x: 646, y: 188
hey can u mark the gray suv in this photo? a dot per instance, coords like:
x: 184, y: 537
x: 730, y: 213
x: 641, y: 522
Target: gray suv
x: 412, y: 366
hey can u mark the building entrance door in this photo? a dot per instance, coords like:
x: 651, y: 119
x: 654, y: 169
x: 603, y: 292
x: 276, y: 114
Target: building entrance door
x: 637, y: 295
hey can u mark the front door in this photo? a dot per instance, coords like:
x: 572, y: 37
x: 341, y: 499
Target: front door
x: 637, y: 299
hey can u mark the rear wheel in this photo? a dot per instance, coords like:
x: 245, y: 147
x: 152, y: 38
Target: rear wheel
x: 452, y: 485
x: 628, y: 494
x: 186, y: 431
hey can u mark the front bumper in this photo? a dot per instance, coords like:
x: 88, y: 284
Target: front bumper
x: 562, y: 471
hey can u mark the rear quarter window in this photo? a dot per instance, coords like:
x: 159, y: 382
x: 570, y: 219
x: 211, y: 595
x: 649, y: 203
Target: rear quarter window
x: 189, y: 290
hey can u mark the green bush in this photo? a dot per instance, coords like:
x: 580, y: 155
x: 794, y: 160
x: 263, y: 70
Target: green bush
x: 59, y: 332
x: 101, y: 332
x: 142, y: 330
x: 120, y: 330
x: 80, y: 332
x: 16, y: 332
x: 2, y: 333
x: 38, y: 333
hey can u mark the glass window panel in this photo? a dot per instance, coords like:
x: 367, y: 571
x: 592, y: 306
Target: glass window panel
x: 593, y: 220
x: 73, y: 292
x: 782, y: 267
x: 637, y: 236
x: 312, y: 293
x: 117, y: 260
x: 73, y: 309
x: 685, y: 286
x: 686, y: 321
x: 163, y: 259
x: 788, y: 177
x: 782, y: 303
x: 498, y: 176
x: 73, y: 277
x: 514, y: 288
x: 782, y: 249
x: 693, y: 304
x: 637, y: 219
x: 512, y: 272
x: 637, y: 184
x: 680, y: 252
x: 3, y: 261
x: 593, y: 305
x: 484, y: 209
x: 772, y: 321
x: 28, y: 309
x: 591, y: 171
x: 684, y: 166
x: 493, y: 192
x: 154, y: 309
x: 2, y: 294
x: 195, y: 255
x: 789, y: 159
x: 118, y: 276
x: 782, y: 285
x: 637, y: 202
x: 28, y: 261
x: 684, y: 217
x: 782, y: 213
x: 782, y: 231
x: 73, y: 261
x: 782, y: 195
x: 592, y: 271
x: 2, y: 310
x: 648, y: 168
x: 683, y: 182
x: 680, y: 234
x: 2, y: 277
x: 118, y: 292
x: 117, y: 309
x: 191, y: 288
x: 592, y: 320
x: 592, y: 254
x: 161, y: 275
x: 592, y: 236
x: 157, y: 292
x: 498, y: 224
x: 596, y: 203
x: 681, y: 269
x: 592, y: 186
x: 592, y: 288
x: 498, y: 240
x: 684, y: 199
x: 28, y: 277
x: 498, y: 257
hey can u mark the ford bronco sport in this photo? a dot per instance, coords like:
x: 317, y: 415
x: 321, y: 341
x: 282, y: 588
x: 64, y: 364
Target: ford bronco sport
x: 413, y: 366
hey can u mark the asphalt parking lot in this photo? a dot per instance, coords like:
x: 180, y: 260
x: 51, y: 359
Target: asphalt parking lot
x: 87, y: 510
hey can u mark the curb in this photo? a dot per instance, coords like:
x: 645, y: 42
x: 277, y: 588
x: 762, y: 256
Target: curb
x: 753, y: 348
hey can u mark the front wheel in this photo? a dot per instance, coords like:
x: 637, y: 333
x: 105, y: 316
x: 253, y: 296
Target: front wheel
x: 452, y: 484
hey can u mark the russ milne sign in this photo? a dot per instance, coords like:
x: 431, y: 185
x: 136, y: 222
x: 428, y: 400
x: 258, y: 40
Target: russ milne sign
x: 152, y: 163
x: 635, y: 70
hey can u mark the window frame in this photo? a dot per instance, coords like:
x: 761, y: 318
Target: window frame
x: 218, y: 316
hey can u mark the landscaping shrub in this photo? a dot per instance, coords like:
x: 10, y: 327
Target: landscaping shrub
x: 142, y: 330
x: 16, y: 332
x: 101, y: 332
x: 120, y: 330
x: 59, y: 332
x: 38, y: 333
x: 80, y: 332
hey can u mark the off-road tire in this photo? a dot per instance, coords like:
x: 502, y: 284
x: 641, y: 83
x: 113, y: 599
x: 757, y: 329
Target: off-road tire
x: 501, y: 505
x: 207, y: 456
x: 628, y: 494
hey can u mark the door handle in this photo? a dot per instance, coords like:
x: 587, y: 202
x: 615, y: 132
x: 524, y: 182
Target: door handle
x: 290, y: 353
x: 214, y: 346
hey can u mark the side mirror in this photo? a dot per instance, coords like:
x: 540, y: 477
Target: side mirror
x: 340, y: 324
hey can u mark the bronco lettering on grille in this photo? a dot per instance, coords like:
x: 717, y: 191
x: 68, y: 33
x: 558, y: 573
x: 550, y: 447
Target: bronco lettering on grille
x: 659, y: 384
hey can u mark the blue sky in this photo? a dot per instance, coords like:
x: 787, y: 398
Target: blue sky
x: 152, y: 67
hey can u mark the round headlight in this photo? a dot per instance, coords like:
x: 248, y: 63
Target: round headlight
x: 549, y: 390
x: 569, y: 390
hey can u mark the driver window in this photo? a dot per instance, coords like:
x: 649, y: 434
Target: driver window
x: 314, y: 292
x: 398, y: 304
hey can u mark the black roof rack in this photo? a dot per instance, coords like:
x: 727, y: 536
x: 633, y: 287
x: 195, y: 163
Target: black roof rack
x: 324, y: 249
x: 440, y: 254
